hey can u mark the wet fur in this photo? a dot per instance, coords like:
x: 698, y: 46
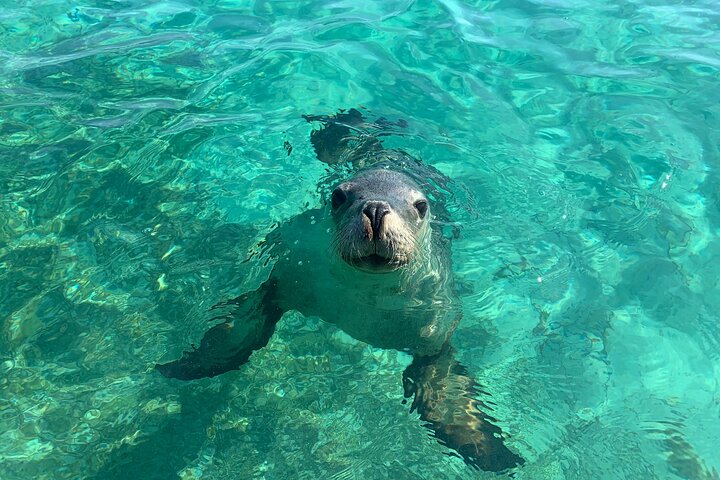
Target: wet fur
x: 400, y: 242
x: 403, y: 231
x: 413, y: 308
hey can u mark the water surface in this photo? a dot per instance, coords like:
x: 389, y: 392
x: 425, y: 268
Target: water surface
x: 142, y: 156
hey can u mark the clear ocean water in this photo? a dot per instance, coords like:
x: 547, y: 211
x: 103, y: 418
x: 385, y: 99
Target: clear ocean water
x: 144, y: 153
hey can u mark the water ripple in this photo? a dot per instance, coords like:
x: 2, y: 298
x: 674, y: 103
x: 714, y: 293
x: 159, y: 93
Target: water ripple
x: 144, y: 158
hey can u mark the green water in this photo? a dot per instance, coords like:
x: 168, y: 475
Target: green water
x: 142, y: 157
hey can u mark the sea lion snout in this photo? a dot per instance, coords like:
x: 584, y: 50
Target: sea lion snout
x: 379, y: 226
x: 375, y: 211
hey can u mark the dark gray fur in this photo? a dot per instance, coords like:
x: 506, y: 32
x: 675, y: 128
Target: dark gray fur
x: 384, y: 277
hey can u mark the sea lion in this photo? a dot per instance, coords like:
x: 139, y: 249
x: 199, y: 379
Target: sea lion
x: 373, y: 262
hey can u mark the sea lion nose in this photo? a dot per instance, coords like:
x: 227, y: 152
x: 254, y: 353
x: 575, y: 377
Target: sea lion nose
x: 375, y: 211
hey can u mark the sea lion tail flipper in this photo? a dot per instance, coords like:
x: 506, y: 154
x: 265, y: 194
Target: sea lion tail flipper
x: 228, y: 345
x: 445, y: 396
x: 344, y: 137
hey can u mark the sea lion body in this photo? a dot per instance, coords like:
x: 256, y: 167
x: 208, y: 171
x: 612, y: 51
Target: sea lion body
x: 411, y: 311
x: 375, y: 262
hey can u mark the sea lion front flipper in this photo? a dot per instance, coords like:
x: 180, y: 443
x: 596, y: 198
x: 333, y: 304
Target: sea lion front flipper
x: 445, y: 396
x: 226, y: 346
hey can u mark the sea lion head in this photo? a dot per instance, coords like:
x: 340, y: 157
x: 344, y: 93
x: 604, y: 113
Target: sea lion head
x: 382, y: 220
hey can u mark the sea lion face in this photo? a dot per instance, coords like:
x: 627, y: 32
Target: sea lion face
x: 382, y: 220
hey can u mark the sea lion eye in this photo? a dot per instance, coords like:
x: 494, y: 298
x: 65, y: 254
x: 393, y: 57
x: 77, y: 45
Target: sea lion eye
x: 421, y: 206
x: 338, y: 198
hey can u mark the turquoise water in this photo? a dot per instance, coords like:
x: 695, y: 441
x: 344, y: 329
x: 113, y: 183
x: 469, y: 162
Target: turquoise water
x: 142, y: 156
